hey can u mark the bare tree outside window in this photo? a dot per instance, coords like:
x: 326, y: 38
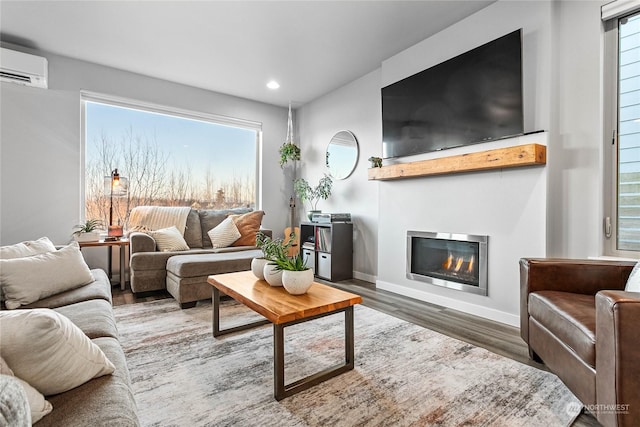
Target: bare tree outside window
x: 169, y: 161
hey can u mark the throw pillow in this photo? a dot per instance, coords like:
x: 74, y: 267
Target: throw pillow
x: 633, y: 282
x: 38, y: 406
x: 248, y: 224
x: 224, y: 234
x: 23, y: 249
x: 29, y: 279
x: 169, y: 239
x: 14, y: 406
x: 48, y: 351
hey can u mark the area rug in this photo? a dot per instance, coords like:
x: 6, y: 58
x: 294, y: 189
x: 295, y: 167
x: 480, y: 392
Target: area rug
x: 404, y: 375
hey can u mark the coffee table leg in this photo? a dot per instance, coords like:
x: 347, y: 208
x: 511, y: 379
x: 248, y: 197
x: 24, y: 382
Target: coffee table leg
x: 215, y: 296
x: 280, y: 389
x: 278, y: 362
x: 216, y: 311
x: 349, y: 341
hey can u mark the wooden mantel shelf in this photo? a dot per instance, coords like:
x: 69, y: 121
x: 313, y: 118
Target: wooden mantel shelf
x: 509, y: 157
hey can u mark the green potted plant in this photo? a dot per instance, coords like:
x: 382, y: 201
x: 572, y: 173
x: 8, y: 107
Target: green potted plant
x: 289, y: 152
x: 297, y: 278
x: 273, y: 250
x: 306, y: 193
x: 88, y: 231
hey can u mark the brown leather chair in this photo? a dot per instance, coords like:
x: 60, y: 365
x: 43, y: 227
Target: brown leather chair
x: 576, y: 318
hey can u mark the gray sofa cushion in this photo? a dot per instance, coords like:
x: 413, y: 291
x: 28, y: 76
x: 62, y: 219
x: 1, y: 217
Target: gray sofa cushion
x: 93, y: 317
x: 211, y: 218
x: 103, y: 401
x: 99, y: 289
x: 193, y: 231
x: 212, y: 263
x: 158, y: 260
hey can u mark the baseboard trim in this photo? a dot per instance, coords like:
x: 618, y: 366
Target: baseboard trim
x: 476, y: 310
x: 366, y: 277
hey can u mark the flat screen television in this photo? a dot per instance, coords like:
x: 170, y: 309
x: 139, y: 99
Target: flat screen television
x: 471, y: 98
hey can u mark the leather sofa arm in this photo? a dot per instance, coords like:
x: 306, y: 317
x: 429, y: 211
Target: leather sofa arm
x: 141, y: 242
x: 579, y: 276
x: 617, y: 356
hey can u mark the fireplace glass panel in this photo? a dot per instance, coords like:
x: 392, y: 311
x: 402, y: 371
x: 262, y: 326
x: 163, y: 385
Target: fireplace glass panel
x: 456, y: 261
x: 446, y: 259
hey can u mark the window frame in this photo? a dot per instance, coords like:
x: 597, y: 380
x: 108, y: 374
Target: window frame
x: 611, y: 102
x: 87, y: 96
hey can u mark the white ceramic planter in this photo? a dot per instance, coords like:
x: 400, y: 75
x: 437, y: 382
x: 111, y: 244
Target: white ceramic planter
x: 271, y: 275
x: 297, y: 282
x: 92, y: 236
x: 257, y: 267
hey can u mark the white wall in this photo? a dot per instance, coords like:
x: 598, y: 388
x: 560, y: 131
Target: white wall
x: 355, y: 107
x: 550, y: 211
x: 41, y: 173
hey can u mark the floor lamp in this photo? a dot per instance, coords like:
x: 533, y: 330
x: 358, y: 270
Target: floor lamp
x: 118, y: 187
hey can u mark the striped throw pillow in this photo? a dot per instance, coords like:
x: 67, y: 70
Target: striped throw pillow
x: 169, y: 239
x: 224, y: 234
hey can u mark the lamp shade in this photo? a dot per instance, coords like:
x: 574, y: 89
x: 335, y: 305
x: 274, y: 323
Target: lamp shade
x: 120, y: 186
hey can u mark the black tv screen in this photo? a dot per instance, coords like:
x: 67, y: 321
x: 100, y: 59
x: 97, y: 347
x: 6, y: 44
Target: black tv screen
x: 474, y: 97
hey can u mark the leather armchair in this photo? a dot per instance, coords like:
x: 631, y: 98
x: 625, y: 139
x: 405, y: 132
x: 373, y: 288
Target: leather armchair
x: 576, y: 318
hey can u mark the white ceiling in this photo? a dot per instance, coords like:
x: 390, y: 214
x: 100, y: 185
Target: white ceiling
x: 234, y: 47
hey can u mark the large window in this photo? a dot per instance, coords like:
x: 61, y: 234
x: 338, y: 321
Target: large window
x: 623, y: 50
x: 181, y: 159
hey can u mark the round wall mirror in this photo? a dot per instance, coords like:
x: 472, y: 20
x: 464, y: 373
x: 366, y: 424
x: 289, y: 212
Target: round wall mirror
x: 342, y: 154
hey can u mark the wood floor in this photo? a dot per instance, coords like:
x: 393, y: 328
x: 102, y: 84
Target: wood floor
x: 493, y: 336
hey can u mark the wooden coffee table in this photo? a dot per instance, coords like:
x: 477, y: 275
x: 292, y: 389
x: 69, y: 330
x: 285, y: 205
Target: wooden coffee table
x: 283, y: 309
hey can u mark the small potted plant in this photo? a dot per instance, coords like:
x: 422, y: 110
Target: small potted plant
x: 289, y: 152
x: 273, y: 249
x: 88, y: 232
x: 297, y: 278
x: 306, y: 193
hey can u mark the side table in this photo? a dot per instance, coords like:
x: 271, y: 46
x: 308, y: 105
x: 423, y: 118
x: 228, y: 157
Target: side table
x: 122, y: 246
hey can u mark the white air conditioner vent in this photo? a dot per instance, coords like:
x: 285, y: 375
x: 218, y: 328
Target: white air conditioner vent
x: 23, y: 68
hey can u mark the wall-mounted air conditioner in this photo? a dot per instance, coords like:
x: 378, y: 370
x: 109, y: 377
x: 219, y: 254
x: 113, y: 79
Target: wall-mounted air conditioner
x: 23, y: 68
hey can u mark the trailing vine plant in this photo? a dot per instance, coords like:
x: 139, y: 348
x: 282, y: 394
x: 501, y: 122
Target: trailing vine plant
x: 289, y: 151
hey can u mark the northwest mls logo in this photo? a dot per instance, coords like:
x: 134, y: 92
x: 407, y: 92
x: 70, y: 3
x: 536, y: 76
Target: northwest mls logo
x: 573, y: 408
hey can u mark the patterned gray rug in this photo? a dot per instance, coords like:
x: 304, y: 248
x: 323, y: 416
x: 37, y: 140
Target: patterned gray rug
x: 404, y: 375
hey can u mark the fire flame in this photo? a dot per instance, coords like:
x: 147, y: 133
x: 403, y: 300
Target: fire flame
x: 457, y: 264
x: 448, y: 262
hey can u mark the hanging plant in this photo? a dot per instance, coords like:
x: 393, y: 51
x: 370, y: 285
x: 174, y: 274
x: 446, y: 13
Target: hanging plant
x: 289, y: 152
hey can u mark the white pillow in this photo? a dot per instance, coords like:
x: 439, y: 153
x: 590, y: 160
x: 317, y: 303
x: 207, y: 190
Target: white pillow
x: 29, y: 279
x: 169, y: 239
x: 29, y: 248
x: 633, y: 282
x: 48, y: 351
x: 38, y: 406
x: 224, y: 234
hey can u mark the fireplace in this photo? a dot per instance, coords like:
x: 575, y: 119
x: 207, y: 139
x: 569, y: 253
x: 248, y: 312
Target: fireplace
x: 456, y: 261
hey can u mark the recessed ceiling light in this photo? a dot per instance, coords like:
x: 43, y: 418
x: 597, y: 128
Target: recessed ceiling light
x: 273, y: 84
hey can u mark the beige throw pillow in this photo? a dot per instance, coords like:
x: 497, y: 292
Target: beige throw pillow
x: 30, y: 248
x: 169, y: 239
x: 633, y: 282
x: 38, y: 406
x: 29, y: 279
x: 224, y: 234
x: 45, y: 349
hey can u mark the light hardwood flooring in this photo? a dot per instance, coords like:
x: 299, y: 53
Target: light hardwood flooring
x: 493, y: 336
